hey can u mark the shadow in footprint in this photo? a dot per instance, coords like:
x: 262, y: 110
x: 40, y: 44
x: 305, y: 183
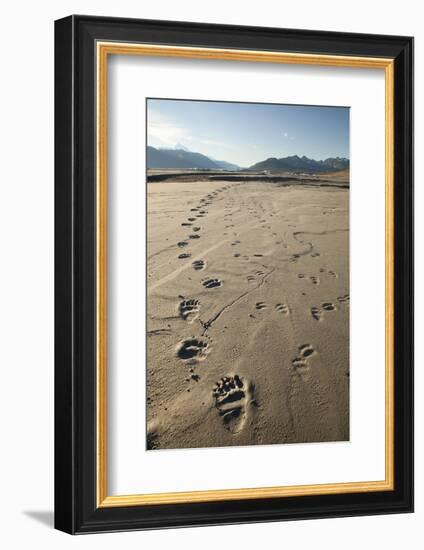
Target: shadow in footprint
x: 198, y: 265
x: 189, y: 309
x: 306, y: 350
x: 212, y: 283
x: 316, y: 313
x: 233, y: 396
x: 283, y: 308
x: 300, y: 363
x: 193, y: 348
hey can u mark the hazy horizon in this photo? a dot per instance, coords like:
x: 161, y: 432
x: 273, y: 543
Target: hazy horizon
x: 246, y: 133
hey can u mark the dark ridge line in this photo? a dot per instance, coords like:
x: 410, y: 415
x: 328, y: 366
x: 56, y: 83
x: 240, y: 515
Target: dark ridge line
x: 159, y: 331
x: 174, y: 175
x: 259, y: 178
x: 319, y: 233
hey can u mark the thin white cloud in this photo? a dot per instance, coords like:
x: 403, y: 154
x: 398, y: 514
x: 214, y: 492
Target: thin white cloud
x: 215, y: 143
x: 163, y: 132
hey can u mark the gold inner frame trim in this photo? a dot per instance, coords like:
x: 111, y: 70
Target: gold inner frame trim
x: 104, y: 49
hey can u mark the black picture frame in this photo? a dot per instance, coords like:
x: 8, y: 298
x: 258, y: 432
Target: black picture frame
x: 76, y: 509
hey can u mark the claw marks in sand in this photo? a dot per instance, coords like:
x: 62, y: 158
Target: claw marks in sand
x: 300, y: 363
x: 306, y: 350
x: 314, y: 279
x: 152, y: 440
x: 318, y: 312
x: 333, y: 274
x: 212, y: 283
x: 283, y: 308
x: 189, y: 309
x: 198, y: 265
x: 233, y: 397
x: 193, y: 349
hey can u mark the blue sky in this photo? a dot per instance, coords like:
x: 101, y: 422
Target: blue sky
x: 245, y: 133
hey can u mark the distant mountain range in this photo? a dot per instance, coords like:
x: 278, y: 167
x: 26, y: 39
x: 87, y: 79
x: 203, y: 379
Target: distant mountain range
x: 183, y: 158
x: 302, y: 164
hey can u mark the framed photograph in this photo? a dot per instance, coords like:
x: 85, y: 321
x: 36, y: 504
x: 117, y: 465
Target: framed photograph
x: 233, y: 274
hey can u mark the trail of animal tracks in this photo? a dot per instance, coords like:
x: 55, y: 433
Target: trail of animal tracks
x: 248, y: 314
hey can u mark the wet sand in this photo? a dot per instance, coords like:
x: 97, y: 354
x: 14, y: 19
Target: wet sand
x: 248, y: 314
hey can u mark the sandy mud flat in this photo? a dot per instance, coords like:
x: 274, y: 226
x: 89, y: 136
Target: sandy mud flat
x: 247, y: 313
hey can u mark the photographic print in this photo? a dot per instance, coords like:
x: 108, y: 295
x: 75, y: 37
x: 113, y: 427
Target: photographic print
x: 247, y: 274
